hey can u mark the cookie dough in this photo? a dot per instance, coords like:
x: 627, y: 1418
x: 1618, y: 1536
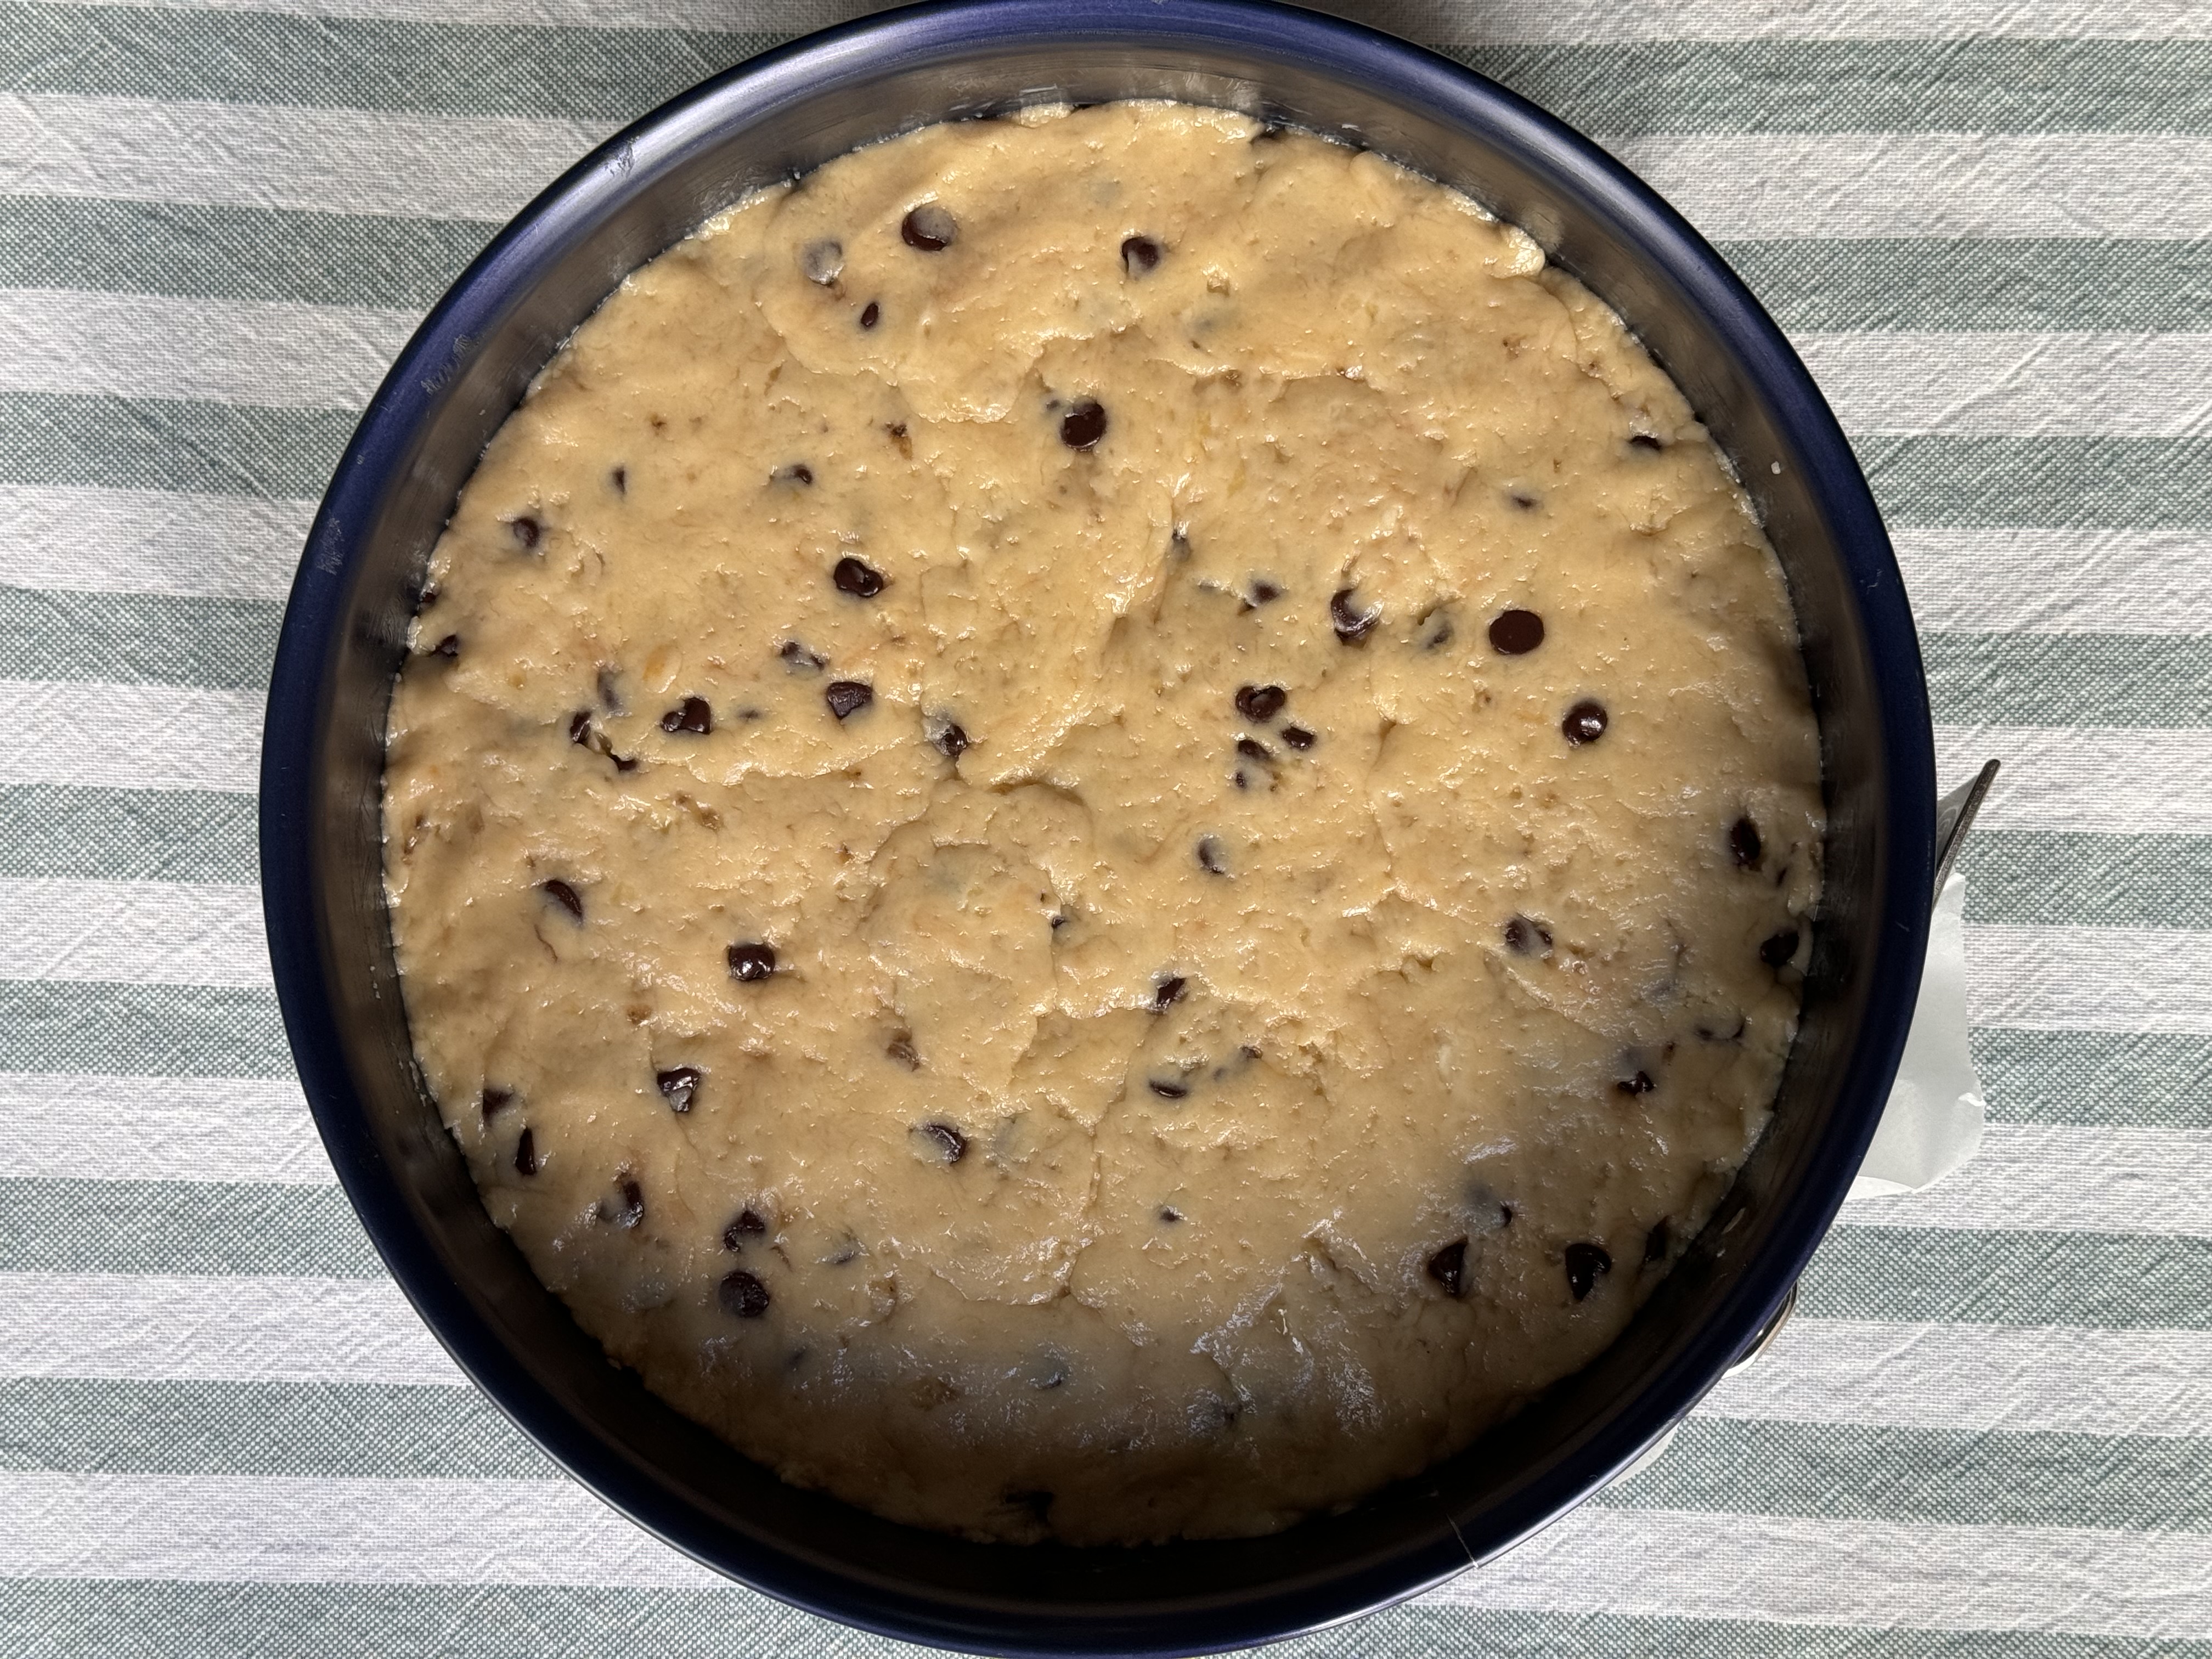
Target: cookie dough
x: 1100, y: 825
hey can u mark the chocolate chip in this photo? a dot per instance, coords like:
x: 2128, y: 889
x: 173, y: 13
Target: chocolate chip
x: 1780, y: 950
x: 1167, y: 992
x: 1141, y: 254
x: 822, y: 261
x: 1252, y: 748
x: 950, y: 1141
x: 694, y: 716
x: 1645, y: 440
x: 564, y: 896
x: 677, y: 1084
x: 620, y: 477
x: 741, y: 1295
x: 1297, y: 736
x: 1436, y: 630
x: 751, y: 962
x: 1211, y: 859
x: 1640, y: 1083
x: 1167, y: 1089
x: 901, y: 1048
x: 1527, y: 937
x: 1584, y: 723
x: 1658, y: 1240
x: 1352, y: 626
x: 870, y: 314
x: 525, y: 531
x: 798, y: 472
x: 1084, y: 424
x: 525, y: 1154
x: 1525, y: 503
x: 629, y: 1210
x: 952, y: 742
x: 579, y: 727
x: 428, y: 596
x: 930, y: 227
x: 1743, y: 841
x: 1586, y: 1265
x: 861, y: 581
x: 797, y: 657
x: 1263, y: 592
x: 449, y: 647
x: 492, y: 1100
x: 1516, y: 633
x: 1261, y: 703
x: 746, y: 1225
x: 848, y: 697
x: 1447, y: 1267
x: 1169, y: 1214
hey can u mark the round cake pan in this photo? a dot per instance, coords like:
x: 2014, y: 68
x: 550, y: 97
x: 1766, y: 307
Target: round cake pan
x: 345, y: 629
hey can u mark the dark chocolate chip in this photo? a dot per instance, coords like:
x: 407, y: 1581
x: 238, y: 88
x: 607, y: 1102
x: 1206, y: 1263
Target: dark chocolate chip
x: 1525, y: 503
x: 1261, y: 703
x: 1780, y: 950
x: 428, y: 596
x: 1447, y: 1267
x: 1253, y: 749
x: 1211, y: 859
x: 1516, y: 633
x: 564, y: 896
x: 525, y: 531
x: 862, y: 581
x: 1167, y: 992
x: 620, y: 479
x: 1640, y: 1083
x: 746, y: 1225
x: 1584, y: 723
x: 1645, y: 440
x: 1586, y: 1265
x: 930, y: 227
x: 1527, y: 937
x: 1658, y: 1240
x: 822, y: 261
x: 1352, y: 626
x: 950, y: 1141
x: 1505, y: 1215
x: 1264, y: 593
x: 799, y: 658
x: 629, y: 1209
x: 1084, y: 424
x: 798, y: 472
x: 901, y: 1048
x: 525, y: 1154
x: 1140, y: 254
x: 870, y: 314
x: 492, y: 1100
x: 751, y: 962
x: 449, y: 647
x: 694, y: 716
x: 579, y: 727
x: 678, y: 1084
x: 848, y: 697
x: 1167, y: 1089
x: 952, y: 742
x: 1743, y: 841
x: 741, y: 1295
x: 1169, y: 1214
x: 1297, y: 736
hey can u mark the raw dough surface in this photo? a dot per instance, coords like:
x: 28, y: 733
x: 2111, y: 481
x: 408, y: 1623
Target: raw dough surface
x: 1242, y: 1014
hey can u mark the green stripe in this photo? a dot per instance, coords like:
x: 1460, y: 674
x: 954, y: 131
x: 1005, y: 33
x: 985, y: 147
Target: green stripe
x: 66, y: 1618
x: 2128, y: 1080
x: 153, y: 443
x: 173, y: 1227
x: 231, y: 252
x: 140, y: 1030
x: 126, y: 835
x: 2061, y: 483
x: 2070, y: 679
x: 2110, y: 1281
x: 1937, y: 282
x: 326, y: 1430
x: 2055, y: 879
x: 137, y: 638
x: 1930, y: 1476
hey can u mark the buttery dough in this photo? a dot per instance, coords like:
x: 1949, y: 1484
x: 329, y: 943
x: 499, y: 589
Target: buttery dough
x: 1100, y: 825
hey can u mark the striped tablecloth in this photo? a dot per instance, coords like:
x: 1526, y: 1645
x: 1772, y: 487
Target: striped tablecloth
x: 1988, y: 223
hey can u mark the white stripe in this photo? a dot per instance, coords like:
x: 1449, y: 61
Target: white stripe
x: 2065, y: 1177
x: 1931, y: 184
x: 1564, y: 22
x: 223, y: 1329
x: 2106, y: 779
x: 130, y: 737
x: 150, y: 541
x: 2059, y: 581
x: 1836, y: 1571
x: 2090, y: 979
x: 133, y: 932
x: 278, y: 353
x: 180, y: 1128
x: 2042, y: 385
x: 1973, y: 1379
x: 256, y: 155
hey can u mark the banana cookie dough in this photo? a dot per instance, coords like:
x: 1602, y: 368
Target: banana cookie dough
x: 1101, y: 826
